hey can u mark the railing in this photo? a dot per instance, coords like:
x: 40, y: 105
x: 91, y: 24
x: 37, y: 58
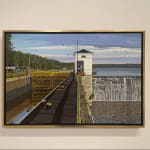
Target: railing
x: 78, y: 101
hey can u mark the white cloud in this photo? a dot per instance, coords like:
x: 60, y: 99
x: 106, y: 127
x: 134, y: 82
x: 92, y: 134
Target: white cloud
x: 99, y: 54
x: 61, y: 47
x: 117, y: 53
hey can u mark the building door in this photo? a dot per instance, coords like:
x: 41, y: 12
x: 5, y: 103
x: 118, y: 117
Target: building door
x: 80, y: 67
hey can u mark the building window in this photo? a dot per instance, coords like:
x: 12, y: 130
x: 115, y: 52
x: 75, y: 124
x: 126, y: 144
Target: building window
x: 83, y: 56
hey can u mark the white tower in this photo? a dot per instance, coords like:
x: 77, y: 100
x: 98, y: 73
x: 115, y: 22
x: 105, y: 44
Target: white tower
x: 83, y: 62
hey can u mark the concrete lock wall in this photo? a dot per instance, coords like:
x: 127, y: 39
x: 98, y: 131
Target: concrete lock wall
x: 116, y: 100
x: 18, y: 96
x: 17, y: 87
x: 117, y: 88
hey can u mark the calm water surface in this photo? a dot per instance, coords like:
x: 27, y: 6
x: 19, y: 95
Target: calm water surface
x: 117, y: 71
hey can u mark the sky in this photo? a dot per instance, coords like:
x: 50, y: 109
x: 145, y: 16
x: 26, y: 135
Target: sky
x: 107, y: 48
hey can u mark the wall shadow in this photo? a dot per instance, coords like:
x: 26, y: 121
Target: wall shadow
x: 132, y: 132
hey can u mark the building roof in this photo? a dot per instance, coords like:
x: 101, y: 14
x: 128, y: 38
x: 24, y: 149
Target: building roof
x: 83, y: 51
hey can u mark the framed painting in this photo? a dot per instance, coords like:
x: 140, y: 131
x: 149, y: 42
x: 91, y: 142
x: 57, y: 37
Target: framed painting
x: 73, y: 78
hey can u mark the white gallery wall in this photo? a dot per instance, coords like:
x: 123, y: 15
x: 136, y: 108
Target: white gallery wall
x: 77, y: 15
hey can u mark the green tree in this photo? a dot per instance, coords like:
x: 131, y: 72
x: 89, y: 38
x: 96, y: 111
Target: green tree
x: 9, y: 49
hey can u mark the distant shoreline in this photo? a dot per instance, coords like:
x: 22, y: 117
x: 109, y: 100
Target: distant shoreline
x: 116, y: 65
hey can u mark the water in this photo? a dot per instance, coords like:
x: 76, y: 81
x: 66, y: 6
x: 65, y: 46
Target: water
x: 117, y: 71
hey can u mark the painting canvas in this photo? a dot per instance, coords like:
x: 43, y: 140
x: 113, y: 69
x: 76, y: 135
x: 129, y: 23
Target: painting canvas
x: 73, y: 78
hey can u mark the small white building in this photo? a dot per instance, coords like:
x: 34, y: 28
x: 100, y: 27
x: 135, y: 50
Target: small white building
x: 83, y: 62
